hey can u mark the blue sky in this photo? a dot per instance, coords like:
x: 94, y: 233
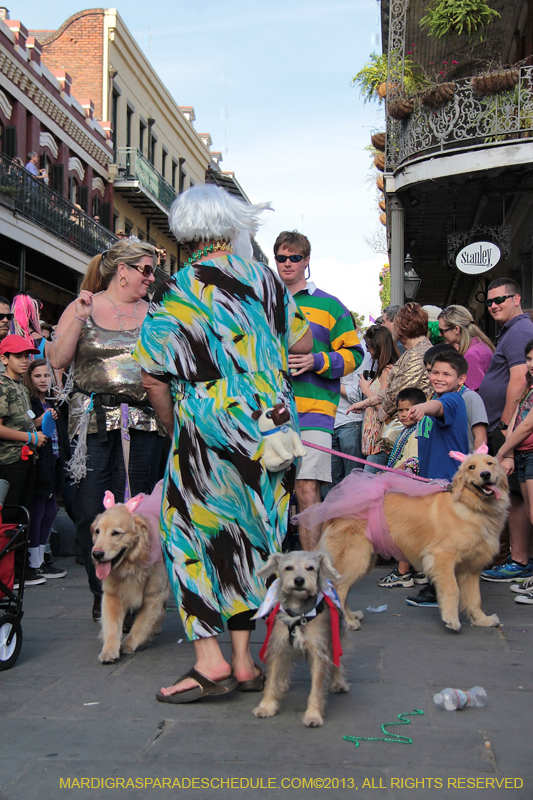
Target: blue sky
x: 271, y: 83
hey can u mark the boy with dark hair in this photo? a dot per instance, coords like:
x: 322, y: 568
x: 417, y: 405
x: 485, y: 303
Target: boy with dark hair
x: 404, y: 456
x: 442, y: 426
x: 17, y: 429
x: 475, y: 408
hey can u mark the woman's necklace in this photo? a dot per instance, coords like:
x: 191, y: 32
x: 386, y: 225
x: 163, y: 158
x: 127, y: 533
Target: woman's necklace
x: 120, y: 316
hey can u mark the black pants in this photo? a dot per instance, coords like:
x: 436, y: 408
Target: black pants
x: 105, y: 470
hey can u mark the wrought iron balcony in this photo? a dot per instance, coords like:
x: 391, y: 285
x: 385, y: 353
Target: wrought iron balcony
x: 35, y: 201
x: 137, y: 177
x: 468, y: 120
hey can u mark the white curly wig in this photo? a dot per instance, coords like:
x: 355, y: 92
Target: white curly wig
x: 206, y: 213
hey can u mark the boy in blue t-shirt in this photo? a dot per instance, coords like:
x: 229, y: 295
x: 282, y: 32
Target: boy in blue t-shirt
x: 442, y: 426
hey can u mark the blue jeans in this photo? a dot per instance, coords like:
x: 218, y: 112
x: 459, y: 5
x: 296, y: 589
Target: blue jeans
x: 380, y: 458
x: 105, y: 470
x: 346, y: 439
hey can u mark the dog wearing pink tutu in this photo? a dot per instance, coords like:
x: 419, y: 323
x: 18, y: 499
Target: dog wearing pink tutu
x: 450, y: 532
x: 129, y: 562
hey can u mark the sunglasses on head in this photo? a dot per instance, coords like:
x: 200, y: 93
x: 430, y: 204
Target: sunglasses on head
x: 498, y: 300
x: 145, y: 269
x: 292, y: 259
x: 9, y: 317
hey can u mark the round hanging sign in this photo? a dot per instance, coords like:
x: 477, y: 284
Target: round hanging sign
x: 478, y: 257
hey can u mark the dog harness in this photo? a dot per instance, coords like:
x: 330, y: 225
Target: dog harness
x: 329, y: 597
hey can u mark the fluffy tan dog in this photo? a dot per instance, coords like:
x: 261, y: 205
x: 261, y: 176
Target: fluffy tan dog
x: 452, y: 536
x: 123, y: 554
x: 300, y: 632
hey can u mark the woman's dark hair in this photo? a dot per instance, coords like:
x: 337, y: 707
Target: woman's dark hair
x: 411, y: 395
x: 37, y: 362
x: 429, y: 355
x: 385, y: 351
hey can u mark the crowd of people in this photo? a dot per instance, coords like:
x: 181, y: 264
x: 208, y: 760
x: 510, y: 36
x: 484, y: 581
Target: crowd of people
x: 224, y: 337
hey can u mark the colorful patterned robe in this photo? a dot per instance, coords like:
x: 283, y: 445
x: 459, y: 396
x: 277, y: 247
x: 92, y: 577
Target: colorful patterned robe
x: 220, y: 331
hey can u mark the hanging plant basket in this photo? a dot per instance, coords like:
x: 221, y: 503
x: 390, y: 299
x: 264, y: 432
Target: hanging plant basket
x: 382, y: 205
x: 378, y: 141
x: 380, y: 183
x: 379, y: 161
x: 383, y: 219
x: 438, y: 95
x: 493, y: 82
x: 401, y: 107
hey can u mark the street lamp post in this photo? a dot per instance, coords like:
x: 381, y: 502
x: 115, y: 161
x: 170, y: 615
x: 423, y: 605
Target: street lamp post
x: 411, y: 279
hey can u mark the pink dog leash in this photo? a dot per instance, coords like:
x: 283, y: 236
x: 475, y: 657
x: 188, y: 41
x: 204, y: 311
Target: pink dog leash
x: 370, y: 463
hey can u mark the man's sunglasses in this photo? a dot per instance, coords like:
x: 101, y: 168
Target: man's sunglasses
x: 9, y: 317
x: 498, y: 300
x: 146, y: 269
x: 292, y: 259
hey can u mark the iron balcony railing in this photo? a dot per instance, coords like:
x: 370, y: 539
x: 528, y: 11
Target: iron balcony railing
x: 468, y: 119
x: 35, y: 201
x: 133, y: 166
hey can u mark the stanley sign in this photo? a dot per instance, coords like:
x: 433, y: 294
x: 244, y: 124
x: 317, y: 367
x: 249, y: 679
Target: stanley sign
x: 478, y: 257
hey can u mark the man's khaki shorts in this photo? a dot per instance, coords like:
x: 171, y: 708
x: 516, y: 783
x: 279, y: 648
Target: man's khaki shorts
x: 316, y: 465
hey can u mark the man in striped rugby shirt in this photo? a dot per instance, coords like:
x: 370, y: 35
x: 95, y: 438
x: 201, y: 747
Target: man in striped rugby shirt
x: 316, y: 376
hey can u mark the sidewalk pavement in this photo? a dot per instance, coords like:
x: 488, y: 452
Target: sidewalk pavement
x: 66, y: 716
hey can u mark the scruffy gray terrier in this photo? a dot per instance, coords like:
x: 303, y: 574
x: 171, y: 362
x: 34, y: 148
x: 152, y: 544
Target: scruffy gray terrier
x: 302, y: 629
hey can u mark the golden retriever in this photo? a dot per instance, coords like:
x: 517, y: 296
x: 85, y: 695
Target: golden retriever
x: 452, y: 536
x: 302, y: 629
x: 122, y: 555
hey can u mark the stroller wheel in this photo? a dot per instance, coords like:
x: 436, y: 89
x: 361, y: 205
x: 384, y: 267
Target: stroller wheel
x: 9, y: 652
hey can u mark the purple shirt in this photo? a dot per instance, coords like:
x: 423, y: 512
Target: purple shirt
x: 510, y: 352
x: 478, y: 356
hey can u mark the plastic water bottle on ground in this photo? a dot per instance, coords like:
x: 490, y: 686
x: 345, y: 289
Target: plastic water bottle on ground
x: 453, y: 699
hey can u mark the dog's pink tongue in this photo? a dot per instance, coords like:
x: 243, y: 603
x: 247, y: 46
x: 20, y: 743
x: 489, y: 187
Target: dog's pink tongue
x: 496, y: 492
x: 103, y: 569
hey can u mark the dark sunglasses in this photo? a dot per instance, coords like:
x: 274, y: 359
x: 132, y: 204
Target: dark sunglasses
x: 292, y: 259
x: 442, y: 331
x: 9, y: 317
x: 146, y: 270
x: 498, y: 300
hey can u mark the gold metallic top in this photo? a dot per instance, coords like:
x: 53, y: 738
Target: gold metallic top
x: 104, y: 364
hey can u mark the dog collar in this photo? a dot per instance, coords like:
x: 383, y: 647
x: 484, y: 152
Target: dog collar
x: 279, y: 429
x: 301, y: 620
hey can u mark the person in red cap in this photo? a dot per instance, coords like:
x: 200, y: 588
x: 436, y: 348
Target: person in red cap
x: 19, y: 438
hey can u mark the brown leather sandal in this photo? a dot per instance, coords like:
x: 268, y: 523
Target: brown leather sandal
x: 255, y: 684
x: 206, y: 687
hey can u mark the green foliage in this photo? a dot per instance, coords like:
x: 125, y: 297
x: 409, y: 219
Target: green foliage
x: 448, y: 17
x: 375, y: 72
x: 358, y: 321
x: 384, y: 286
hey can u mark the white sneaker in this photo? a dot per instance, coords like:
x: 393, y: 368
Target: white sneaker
x: 523, y: 586
x: 526, y: 598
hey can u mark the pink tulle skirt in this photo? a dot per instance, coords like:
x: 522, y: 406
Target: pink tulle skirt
x: 360, y: 496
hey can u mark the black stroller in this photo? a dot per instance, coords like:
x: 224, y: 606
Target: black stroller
x: 14, y: 532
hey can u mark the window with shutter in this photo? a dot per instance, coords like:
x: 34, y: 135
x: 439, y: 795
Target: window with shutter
x: 9, y: 141
x: 84, y: 197
x: 56, y: 177
x: 105, y: 215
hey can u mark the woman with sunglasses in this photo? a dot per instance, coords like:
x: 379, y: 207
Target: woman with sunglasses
x: 457, y: 327
x: 97, y: 334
